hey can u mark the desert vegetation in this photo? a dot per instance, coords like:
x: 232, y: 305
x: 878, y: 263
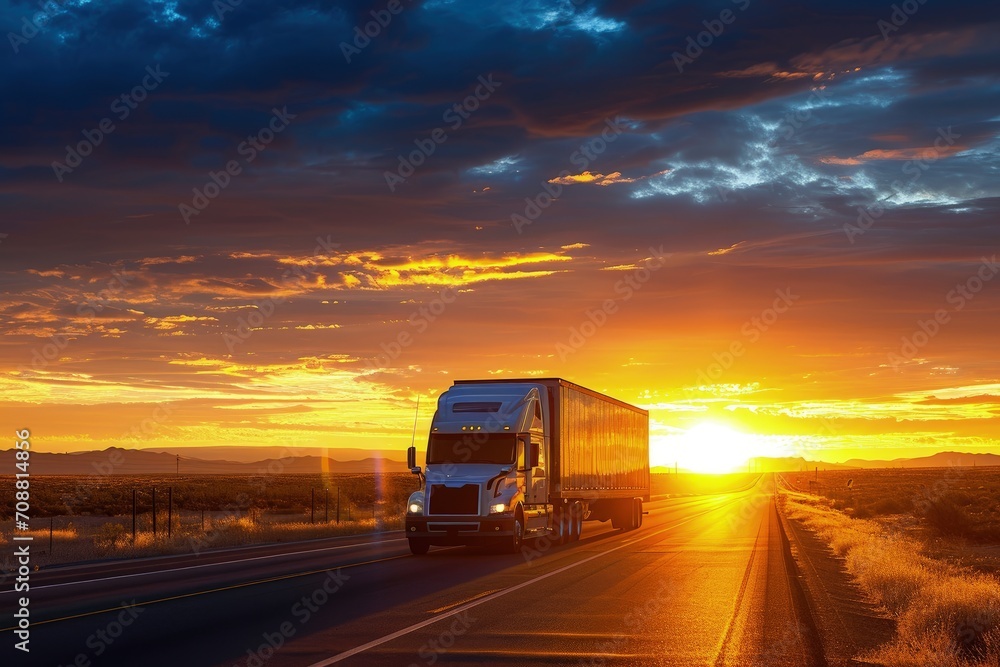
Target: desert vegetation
x: 951, y: 509
x: 946, y: 615
x: 80, y: 518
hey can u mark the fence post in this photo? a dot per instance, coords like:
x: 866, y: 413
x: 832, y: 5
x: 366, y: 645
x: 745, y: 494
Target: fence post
x: 338, y: 504
x: 312, y: 505
x: 133, y: 515
x: 51, y: 522
x: 170, y: 510
x: 326, y: 505
x: 154, y: 513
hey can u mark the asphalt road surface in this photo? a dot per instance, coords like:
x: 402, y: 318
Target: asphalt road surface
x: 705, y: 581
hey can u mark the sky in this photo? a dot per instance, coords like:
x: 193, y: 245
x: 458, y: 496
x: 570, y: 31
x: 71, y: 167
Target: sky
x: 773, y: 225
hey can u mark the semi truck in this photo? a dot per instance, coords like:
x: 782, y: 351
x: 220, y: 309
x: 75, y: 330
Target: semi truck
x: 515, y: 459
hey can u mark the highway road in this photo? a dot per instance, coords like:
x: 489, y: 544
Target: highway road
x: 705, y: 581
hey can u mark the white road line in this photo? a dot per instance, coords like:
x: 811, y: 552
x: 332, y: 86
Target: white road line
x: 194, y: 567
x: 483, y: 600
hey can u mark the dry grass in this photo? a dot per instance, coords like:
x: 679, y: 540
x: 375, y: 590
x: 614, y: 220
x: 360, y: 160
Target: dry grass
x: 87, y: 540
x: 92, y: 519
x: 949, y: 503
x: 946, y: 616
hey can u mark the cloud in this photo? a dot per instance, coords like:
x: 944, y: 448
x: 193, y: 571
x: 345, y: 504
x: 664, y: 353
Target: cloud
x: 601, y: 179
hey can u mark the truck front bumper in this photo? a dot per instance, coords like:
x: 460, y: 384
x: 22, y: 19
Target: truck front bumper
x: 459, y: 530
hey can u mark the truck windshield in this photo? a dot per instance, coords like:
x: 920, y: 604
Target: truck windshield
x: 471, y: 448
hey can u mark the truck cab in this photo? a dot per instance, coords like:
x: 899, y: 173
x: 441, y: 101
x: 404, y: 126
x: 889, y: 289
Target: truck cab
x: 485, y: 478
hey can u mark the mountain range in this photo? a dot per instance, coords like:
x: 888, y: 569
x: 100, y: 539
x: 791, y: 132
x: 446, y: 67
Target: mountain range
x: 118, y: 461
x: 284, y: 460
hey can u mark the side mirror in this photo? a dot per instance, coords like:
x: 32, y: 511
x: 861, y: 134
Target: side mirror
x: 534, y: 455
x: 411, y: 457
x: 524, y: 454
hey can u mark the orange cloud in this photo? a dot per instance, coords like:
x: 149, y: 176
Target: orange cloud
x: 929, y: 153
x: 601, y: 179
x: 840, y: 160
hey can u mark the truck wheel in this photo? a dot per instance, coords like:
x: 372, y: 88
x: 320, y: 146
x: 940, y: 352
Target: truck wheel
x: 575, y: 521
x: 638, y: 512
x: 623, y: 515
x: 560, y: 525
x: 419, y: 547
x: 618, y: 518
x: 513, y: 545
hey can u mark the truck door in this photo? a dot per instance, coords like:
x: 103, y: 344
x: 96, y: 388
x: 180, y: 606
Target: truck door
x: 538, y: 492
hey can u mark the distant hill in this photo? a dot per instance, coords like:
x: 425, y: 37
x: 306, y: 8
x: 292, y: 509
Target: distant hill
x: 771, y: 464
x: 939, y: 460
x: 795, y: 464
x: 118, y: 461
x: 244, y: 454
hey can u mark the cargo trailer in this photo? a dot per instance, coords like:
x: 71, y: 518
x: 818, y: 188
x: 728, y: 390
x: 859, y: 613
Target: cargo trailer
x: 515, y: 459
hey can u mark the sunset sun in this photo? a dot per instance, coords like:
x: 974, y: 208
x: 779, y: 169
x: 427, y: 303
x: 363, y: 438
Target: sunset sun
x: 709, y: 447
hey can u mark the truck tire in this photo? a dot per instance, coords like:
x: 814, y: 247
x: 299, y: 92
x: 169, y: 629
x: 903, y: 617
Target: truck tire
x: 512, y: 544
x: 575, y: 521
x: 622, y: 513
x: 419, y: 547
x: 638, y: 512
x: 560, y: 525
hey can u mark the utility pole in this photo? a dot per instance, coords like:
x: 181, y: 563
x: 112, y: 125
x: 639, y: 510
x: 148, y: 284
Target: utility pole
x: 133, y: 515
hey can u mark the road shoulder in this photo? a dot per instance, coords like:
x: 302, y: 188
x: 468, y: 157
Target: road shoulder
x: 848, y: 624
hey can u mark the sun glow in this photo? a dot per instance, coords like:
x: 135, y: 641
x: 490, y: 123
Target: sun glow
x: 715, y: 448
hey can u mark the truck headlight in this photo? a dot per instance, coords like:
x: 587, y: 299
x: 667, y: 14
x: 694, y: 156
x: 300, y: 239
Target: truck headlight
x: 498, y: 508
x: 415, y: 507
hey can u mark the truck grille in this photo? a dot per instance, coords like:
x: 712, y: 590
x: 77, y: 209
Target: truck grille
x: 455, y: 499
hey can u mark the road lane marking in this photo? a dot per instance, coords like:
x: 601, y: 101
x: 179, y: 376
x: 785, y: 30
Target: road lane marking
x: 213, y: 590
x: 194, y: 567
x: 469, y: 599
x: 727, y: 636
x: 489, y: 598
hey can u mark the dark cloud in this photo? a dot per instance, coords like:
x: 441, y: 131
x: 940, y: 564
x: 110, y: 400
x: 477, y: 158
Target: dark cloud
x: 751, y: 165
